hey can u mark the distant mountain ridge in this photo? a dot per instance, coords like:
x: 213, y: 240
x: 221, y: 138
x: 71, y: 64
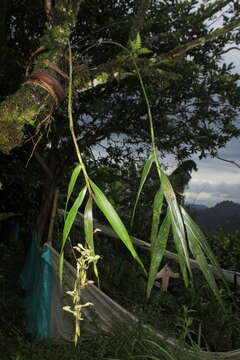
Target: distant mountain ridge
x: 198, y: 206
x: 224, y: 215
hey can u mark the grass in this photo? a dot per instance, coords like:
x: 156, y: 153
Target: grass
x: 129, y: 345
x: 100, y: 348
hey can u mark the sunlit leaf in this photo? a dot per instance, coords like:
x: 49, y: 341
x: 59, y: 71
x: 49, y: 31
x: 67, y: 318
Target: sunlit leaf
x: 146, y: 169
x: 88, y: 224
x: 157, y: 207
x: 144, y: 51
x: 157, y: 251
x: 69, y: 223
x: 190, y: 223
x: 178, y: 229
x: 88, y: 228
x: 114, y: 220
x: 136, y: 43
x: 72, y: 183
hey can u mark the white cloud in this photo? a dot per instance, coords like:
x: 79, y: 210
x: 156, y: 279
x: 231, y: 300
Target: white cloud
x: 210, y: 192
x: 216, y: 180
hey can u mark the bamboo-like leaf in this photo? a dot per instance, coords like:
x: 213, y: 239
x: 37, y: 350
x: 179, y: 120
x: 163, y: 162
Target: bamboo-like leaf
x: 68, y: 225
x: 178, y: 228
x: 88, y: 228
x: 72, y: 214
x: 142, y: 51
x: 146, y: 169
x: 157, y: 207
x: 201, y: 252
x: 72, y: 183
x: 157, y: 251
x: 114, y: 220
x: 88, y: 225
x: 200, y: 237
x: 177, y: 237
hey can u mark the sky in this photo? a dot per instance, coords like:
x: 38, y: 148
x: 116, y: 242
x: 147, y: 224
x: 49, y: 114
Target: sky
x: 217, y: 180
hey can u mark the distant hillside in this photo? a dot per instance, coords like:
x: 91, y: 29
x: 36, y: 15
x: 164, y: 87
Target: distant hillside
x: 225, y: 215
x: 197, y: 207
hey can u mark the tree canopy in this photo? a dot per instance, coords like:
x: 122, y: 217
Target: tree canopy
x: 193, y: 94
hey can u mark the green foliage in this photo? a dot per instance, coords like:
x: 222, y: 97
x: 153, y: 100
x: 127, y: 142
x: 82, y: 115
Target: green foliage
x: 114, y: 220
x: 202, y: 252
x: 135, y: 44
x: 187, y: 236
x: 94, y: 193
x: 88, y: 223
x: 158, y: 248
x: 72, y: 182
x: 219, y: 330
x: 121, y: 345
x: 135, y: 47
x: 146, y: 169
x: 226, y: 247
x: 69, y: 223
x: 157, y: 211
x: 206, y: 325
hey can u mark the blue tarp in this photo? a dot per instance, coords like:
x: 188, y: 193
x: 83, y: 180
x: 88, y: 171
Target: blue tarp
x: 37, y: 281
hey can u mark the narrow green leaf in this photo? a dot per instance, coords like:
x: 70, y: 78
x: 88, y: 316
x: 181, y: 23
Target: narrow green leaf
x: 201, y: 252
x: 181, y: 255
x: 179, y: 235
x: 157, y: 207
x: 158, y: 248
x: 114, y: 220
x: 88, y: 224
x: 146, y: 169
x: 190, y: 223
x: 72, y: 214
x: 61, y: 260
x: 143, y: 51
x: 72, y: 183
x: 68, y: 225
x: 161, y: 348
x: 88, y: 228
